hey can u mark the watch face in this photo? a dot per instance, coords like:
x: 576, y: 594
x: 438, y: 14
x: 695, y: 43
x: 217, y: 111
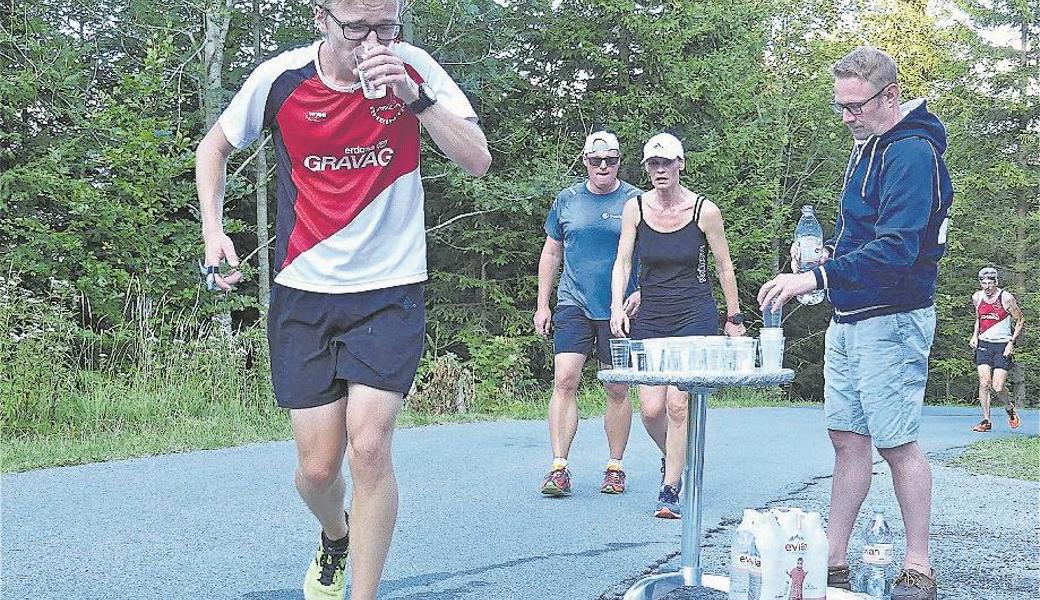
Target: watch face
x: 736, y: 319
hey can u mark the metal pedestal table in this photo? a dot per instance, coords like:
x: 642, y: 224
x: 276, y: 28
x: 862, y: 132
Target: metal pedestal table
x: 700, y: 385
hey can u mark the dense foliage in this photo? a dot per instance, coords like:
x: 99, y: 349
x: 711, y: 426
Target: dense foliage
x: 102, y: 103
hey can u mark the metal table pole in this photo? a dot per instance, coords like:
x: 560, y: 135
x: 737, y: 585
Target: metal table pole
x: 700, y: 385
x: 690, y: 574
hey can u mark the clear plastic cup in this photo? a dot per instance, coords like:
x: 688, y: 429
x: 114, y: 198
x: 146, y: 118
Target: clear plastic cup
x: 715, y: 354
x: 771, y: 348
x: 656, y: 353
x: 372, y: 92
x: 695, y: 352
x: 674, y: 358
x: 638, y: 352
x: 620, y: 353
x: 743, y: 351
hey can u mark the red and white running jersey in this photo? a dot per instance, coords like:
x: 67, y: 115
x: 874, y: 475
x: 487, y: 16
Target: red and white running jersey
x: 350, y: 198
x: 994, y: 320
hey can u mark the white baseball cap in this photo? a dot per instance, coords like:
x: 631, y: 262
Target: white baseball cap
x: 601, y: 140
x: 663, y: 145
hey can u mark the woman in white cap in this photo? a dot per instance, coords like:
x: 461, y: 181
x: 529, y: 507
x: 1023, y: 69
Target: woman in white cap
x: 672, y: 229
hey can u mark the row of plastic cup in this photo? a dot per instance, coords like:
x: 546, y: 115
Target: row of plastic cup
x: 699, y: 353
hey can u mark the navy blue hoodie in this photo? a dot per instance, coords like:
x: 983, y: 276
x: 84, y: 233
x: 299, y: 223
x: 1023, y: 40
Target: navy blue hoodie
x: 891, y: 227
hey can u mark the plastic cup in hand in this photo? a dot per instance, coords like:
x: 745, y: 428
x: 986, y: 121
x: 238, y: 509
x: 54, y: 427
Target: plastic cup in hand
x: 372, y: 92
x: 770, y: 318
x: 771, y: 345
x: 620, y: 353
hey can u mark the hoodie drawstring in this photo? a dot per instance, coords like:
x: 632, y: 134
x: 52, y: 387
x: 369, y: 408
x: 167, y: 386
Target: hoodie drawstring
x: 866, y: 176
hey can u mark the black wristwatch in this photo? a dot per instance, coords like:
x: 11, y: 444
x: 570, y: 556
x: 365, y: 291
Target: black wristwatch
x: 423, y: 102
x: 736, y: 319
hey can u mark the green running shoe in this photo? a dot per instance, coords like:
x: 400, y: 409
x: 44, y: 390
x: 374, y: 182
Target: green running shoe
x: 325, y: 579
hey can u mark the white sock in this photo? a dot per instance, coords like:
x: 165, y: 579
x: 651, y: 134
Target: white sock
x: 559, y: 463
x: 614, y: 464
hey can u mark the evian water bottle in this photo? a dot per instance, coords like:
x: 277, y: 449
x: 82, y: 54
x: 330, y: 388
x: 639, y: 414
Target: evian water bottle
x: 877, y: 558
x: 808, y: 240
x: 740, y: 557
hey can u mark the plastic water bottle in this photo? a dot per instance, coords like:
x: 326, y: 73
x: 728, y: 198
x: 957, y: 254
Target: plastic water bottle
x: 877, y: 558
x: 769, y: 542
x: 808, y: 238
x: 740, y: 557
x: 815, y: 557
x: 754, y: 587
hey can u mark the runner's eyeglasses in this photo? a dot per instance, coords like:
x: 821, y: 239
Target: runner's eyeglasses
x: 356, y: 32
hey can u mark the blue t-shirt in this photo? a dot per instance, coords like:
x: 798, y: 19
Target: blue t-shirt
x: 589, y: 225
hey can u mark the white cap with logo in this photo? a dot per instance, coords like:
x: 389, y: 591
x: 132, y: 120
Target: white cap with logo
x: 663, y: 145
x: 601, y: 141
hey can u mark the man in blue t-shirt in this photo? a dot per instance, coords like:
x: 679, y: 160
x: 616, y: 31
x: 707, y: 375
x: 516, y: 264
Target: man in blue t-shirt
x: 582, y: 232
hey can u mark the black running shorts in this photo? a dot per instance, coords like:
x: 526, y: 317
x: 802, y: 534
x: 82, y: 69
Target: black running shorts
x: 992, y: 354
x: 321, y: 342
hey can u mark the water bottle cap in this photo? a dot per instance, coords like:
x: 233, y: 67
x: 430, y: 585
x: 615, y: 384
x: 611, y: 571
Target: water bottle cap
x: 808, y: 208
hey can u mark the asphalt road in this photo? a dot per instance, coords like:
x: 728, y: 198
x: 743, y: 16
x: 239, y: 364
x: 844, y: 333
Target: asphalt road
x: 228, y: 523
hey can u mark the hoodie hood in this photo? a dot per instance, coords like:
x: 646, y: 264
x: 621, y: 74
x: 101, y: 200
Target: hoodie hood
x: 917, y: 122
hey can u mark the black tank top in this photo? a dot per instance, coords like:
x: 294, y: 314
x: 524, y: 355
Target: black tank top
x: 673, y: 267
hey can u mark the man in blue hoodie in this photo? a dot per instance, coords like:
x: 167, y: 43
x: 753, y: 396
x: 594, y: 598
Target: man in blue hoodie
x: 880, y: 271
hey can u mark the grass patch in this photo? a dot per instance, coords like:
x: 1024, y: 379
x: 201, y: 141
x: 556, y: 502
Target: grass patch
x: 160, y: 424
x: 1015, y: 457
x: 179, y: 435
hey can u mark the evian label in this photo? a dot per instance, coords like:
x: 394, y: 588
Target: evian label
x: 746, y: 562
x: 877, y: 554
x: 796, y: 546
x: 354, y: 157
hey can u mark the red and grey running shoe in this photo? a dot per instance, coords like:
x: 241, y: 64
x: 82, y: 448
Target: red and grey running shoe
x: 613, y: 481
x: 1013, y: 420
x: 557, y: 483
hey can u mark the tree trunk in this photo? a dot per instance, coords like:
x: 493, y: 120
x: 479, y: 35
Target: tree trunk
x: 262, y: 240
x: 217, y: 20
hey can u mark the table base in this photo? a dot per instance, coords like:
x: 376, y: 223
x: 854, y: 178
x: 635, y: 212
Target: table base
x: 655, y: 587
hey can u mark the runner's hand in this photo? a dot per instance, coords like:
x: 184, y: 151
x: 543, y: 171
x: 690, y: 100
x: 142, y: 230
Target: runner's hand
x: 973, y: 342
x: 1009, y: 349
x: 383, y: 67
x: 619, y: 324
x: 542, y: 320
x: 734, y: 330
x: 219, y: 247
x: 632, y: 304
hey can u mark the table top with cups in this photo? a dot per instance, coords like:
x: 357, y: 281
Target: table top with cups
x: 699, y: 379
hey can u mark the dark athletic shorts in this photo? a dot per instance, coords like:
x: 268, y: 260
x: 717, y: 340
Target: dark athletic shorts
x: 700, y: 318
x: 320, y: 342
x: 574, y: 332
x: 992, y: 354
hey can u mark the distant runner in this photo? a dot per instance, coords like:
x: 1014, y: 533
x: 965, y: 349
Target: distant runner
x: 994, y: 342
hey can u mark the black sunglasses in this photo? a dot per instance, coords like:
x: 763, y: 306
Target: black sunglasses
x: 356, y: 32
x: 610, y: 161
x: 856, y: 108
